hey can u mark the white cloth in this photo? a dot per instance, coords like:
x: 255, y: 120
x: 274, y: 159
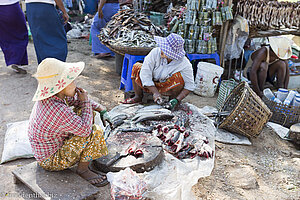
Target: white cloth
x: 155, y: 68
x: 8, y: 2
x: 41, y: 1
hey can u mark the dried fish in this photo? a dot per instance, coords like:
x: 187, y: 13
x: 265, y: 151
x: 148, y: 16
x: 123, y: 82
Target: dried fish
x: 130, y: 29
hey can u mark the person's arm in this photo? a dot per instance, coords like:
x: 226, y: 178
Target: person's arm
x: 61, y: 6
x: 258, y: 58
x: 156, y: 95
x: 78, y: 125
x: 74, y: 101
x: 183, y: 94
x: 101, y: 4
x: 146, y: 73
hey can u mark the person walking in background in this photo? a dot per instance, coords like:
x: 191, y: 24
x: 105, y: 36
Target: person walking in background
x: 106, y: 9
x: 13, y: 35
x: 49, y: 36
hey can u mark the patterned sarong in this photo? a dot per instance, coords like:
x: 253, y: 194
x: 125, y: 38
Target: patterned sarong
x: 77, y: 149
x: 174, y: 81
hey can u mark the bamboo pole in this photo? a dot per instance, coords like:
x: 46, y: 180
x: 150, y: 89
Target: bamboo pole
x: 225, y: 32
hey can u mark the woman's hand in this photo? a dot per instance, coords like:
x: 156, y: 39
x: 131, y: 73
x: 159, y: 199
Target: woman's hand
x: 157, y: 98
x: 100, y: 13
x: 82, y: 94
x: 66, y: 17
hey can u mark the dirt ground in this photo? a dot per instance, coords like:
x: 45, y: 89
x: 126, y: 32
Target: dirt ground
x: 269, y: 169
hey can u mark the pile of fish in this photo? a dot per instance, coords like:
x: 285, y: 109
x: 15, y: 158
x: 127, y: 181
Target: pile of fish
x: 176, y: 129
x: 270, y: 14
x: 178, y: 138
x: 130, y: 29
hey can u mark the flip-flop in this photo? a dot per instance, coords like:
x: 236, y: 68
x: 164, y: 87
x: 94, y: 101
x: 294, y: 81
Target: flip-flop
x: 101, y: 56
x: 100, y: 184
x: 93, y: 169
x: 130, y: 101
x: 18, y: 69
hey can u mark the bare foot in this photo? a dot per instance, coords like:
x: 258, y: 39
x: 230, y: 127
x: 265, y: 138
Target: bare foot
x: 91, y: 177
x: 135, y: 99
x: 102, y: 55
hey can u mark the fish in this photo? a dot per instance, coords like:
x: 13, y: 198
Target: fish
x: 130, y: 29
x: 183, y: 154
x: 152, y: 116
x: 137, y: 129
x: 169, y: 135
x: 174, y: 138
x: 178, y: 144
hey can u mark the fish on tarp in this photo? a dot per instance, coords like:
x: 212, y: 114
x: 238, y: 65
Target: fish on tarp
x: 137, y: 129
x: 152, y: 116
x: 178, y: 144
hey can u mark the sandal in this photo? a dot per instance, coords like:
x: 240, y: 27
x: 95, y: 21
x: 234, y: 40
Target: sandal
x: 100, y: 184
x: 130, y: 101
x: 95, y: 170
x: 102, y: 55
x: 99, y: 176
x: 18, y: 69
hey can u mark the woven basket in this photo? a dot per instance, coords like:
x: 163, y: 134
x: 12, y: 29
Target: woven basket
x: 225, y: 88
x: 248, y: 113
x: 283, y: 114
x: 139, y: 51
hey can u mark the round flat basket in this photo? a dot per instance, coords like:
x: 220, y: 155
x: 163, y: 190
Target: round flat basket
x: 285, y: 115
x: 248, y: 113
x: 139, y: 51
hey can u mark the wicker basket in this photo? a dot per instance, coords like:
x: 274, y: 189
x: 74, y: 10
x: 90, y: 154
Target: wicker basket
x: 248, y: 113
x: 225, y: 88
x: 139, y: 51
x: 283, y: 114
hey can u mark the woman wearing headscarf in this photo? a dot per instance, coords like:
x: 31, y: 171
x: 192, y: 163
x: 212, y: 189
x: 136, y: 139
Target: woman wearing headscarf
x: 47, y: 28
x: 13, y: 35
x: 165, y: 71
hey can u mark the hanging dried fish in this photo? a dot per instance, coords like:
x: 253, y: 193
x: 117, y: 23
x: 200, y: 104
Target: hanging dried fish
x: 266, y: 15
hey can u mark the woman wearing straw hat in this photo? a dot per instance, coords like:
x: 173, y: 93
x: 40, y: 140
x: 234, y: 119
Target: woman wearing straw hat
x: 165, y: 71
x: 59, y: 137
x: 267, y: 63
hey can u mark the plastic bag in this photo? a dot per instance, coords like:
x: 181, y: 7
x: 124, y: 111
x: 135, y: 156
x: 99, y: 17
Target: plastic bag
x: 126, y: 185
x: 16, y: 142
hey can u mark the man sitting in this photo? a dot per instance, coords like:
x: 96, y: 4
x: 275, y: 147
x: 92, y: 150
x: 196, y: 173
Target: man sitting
x: 267, y: 63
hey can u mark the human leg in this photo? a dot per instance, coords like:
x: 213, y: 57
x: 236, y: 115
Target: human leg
x: 287, y: 75
x: 280, y: 70
x: 173, y: 93
x: 109, y: 9
x: 172, y: 86
x: 13, y: 34
x: 262, y: 75
x: 49, y: 36
x: 81, y: 150
x: 137, y: 84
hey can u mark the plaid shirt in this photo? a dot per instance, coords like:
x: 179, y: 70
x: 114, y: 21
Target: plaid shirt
x: 52, y: 121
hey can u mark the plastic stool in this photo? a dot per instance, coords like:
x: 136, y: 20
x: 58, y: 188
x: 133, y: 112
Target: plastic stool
x: 128, y: 62
x: 204, y: 56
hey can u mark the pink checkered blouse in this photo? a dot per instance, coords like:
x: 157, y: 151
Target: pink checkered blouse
x: 52, y: 120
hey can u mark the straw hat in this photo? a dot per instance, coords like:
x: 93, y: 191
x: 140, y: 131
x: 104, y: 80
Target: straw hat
x: 172, y: 46
x: 53, y: 76
x: 281, y: 46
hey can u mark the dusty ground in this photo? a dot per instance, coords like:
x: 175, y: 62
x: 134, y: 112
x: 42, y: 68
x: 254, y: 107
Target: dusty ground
x: 269, y: 169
